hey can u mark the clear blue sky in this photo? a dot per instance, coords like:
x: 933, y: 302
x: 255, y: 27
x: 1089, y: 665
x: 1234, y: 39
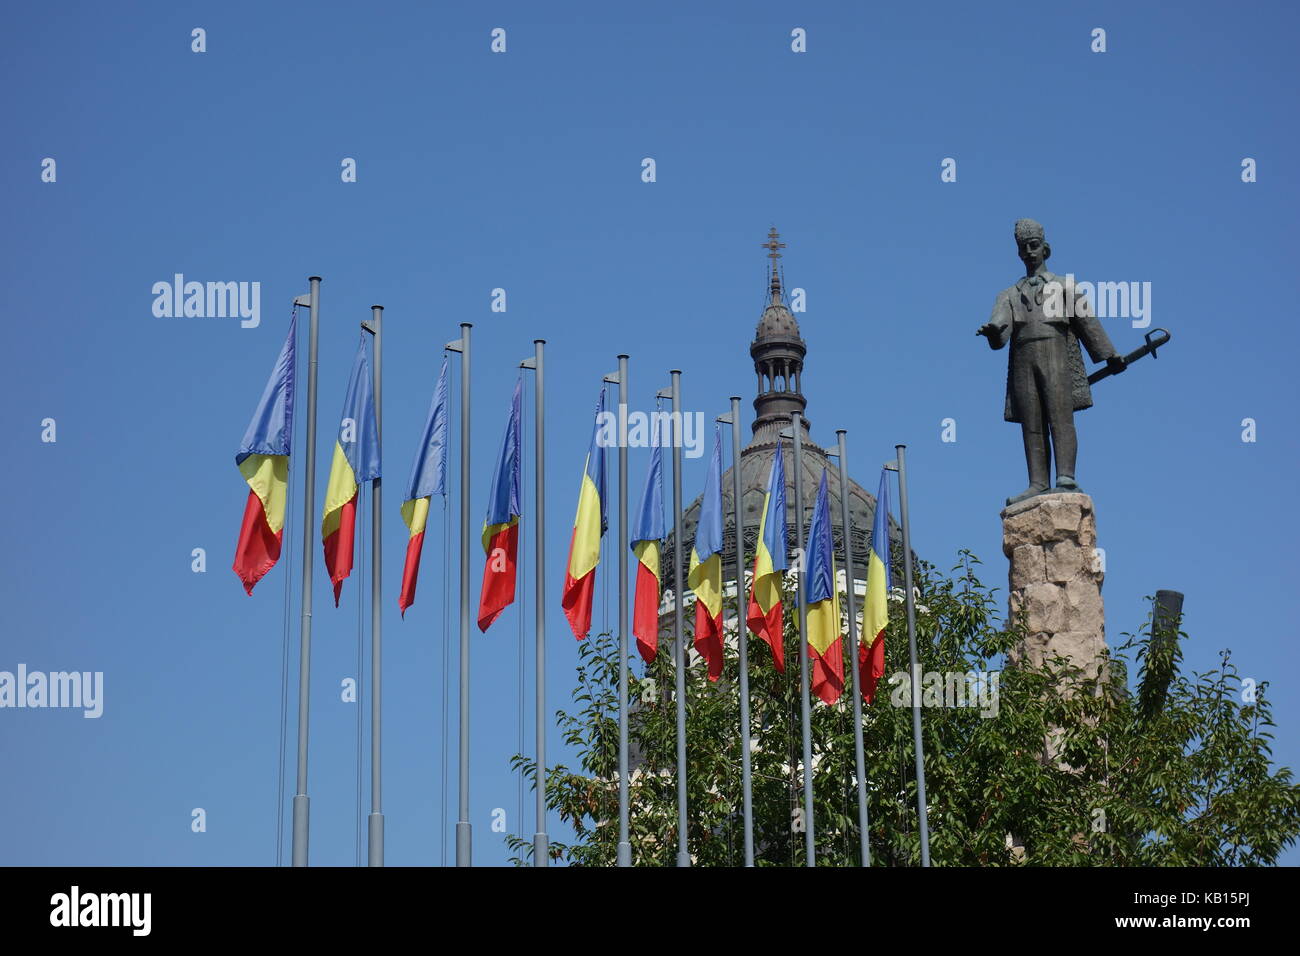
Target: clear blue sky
x: 522, y: 171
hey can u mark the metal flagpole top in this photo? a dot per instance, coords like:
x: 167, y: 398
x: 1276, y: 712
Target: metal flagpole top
x: 531, y: 361
x: 727, y: 418
x: 616, y: 377
x: 458, y: 345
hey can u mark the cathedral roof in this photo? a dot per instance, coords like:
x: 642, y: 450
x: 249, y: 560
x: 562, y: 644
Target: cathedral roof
x: 778, y: 351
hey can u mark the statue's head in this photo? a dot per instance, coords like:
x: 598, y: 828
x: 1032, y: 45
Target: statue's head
x: 1032, y: 245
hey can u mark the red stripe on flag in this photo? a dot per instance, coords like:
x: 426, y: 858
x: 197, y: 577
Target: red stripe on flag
x: 708, y: 639
x: 769, y: 628
x: 410, y: 571
x: 498, y: 576
x: 258, y: 548
x: 871, y: 665
x: 828, y: 671
x: 338, y: 547
x: 645, y: 613
x: 578, y: 596
x: 577, y: 602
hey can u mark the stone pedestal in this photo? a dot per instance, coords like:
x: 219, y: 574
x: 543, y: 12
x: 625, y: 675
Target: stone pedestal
x: 1056, y: 576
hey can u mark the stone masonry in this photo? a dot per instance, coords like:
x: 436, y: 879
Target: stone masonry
x: 1056, y: 576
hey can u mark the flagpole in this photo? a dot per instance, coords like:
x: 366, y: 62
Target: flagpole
x: 851, y: 658
x: 679, y: 651
x: 376, y: 820
x: 301, y: 804
x: 541, y: 843
x: 624, y: 841
x: 900, y: 465
x: 464, y: 831
x: 742, y: 628
x: 810, y: 836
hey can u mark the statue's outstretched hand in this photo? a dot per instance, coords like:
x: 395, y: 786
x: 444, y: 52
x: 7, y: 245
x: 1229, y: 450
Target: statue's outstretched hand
x: 988, y: 330
x: 1115, y: 364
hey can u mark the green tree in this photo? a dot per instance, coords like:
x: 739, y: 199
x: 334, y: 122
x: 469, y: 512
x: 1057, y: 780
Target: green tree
x: 1173, y: 771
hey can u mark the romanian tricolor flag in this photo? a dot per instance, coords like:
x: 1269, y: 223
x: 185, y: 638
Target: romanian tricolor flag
x: 501, y: 526
x: 647, y: 533
x: 705, y: 576
x: 428, y: 478
x: 356, y: 459
x: 588, y: 528
x: 764, y: 613
x: 825, y: 640
x: 263, y: 460
x: 875, y: 613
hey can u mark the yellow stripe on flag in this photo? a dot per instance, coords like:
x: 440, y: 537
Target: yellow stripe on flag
x: 705, y: 579
x: 767, y: 582
x: 875, y: 613
x: 340, y: 490
x: 490, y: 531
x: 647, y: 552
x: 268, y: 477
x: 764, y: 557
x: 767, y: 591
x: 824, y: 619
x: 416, y: 514
x: 585, y: 553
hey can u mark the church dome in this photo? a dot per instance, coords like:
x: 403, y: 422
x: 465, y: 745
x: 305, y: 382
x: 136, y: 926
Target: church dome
x: 776, y: 322
x: 778, y: 352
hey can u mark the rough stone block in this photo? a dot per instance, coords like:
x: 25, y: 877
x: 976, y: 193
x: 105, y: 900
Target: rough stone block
x: 1085, y: 611
x: 1054, y: 576
x: 1065, y: 560
x: 1027, y: 566
x: 1062, y: 513
x: 1045, y: 604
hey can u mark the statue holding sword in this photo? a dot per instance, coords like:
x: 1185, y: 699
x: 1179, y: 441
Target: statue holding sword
x: 1045, y: 320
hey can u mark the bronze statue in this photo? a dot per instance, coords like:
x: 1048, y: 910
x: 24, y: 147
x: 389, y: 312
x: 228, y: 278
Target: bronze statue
x: 1046, y: 380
